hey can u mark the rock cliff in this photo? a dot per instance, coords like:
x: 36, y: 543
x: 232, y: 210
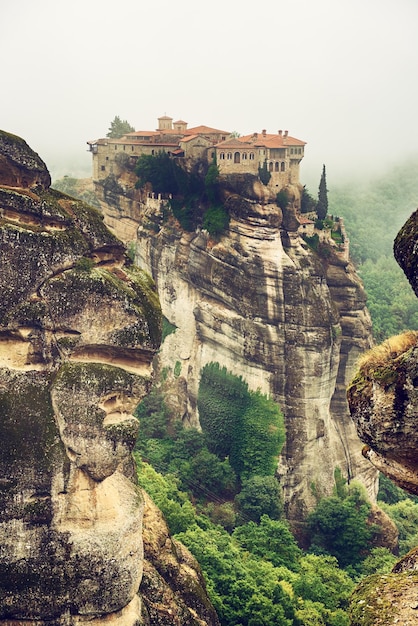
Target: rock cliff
x: 263, y: 304
x: 79, y: 326
x: 383, y: 400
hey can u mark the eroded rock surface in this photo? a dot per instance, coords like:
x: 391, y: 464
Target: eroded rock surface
x: 172, y: 586
x: 79, y: 325
x: 263, y: 304
x: 383, y: 400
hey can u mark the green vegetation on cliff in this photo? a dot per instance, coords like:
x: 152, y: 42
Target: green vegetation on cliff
x: 245, y: 426
x: 373, y: 213
x: 194, y: 196
x: 256, y: 574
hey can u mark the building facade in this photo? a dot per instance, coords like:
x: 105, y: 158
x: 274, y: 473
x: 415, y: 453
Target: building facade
x: 279, y: 154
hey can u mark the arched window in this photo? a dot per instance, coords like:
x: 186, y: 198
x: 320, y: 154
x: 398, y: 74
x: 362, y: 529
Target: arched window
x: 276, y: 166
x: 283, y: 166
x: 244, y: 156
x: 271, y: 166
x: 237, y: 157
x: 222, y: 156
x: 251, y: 156
x: 229, y: 156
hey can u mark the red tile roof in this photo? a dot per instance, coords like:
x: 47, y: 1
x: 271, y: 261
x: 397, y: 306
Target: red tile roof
x: 206, y: 129
x: 270, y: 140
x: 234, y: 143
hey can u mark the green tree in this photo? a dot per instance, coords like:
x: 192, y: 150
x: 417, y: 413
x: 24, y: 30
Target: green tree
x: 307, y: 202
x: 339, y: 527
x: 212, y: 183
x: 271, y: 540
x: 405, y: 515
x: 263, y: 173
x: 165, y: 492
x: 246, y: 426
x: 259, y: 438
x: 119, y: 128
x: 282, y: 199
x: 379, y: 561
x: 260, y: 495
x: 160, y: 170
x: 244, y: 591
x: 321, y: 580
x: 216, y: 220
x: 322, y: 204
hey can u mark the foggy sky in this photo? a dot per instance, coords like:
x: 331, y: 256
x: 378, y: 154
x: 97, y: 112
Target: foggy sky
x: 338, y: 74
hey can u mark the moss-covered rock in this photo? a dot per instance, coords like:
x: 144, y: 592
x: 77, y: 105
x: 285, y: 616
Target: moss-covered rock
x: 79, y: 326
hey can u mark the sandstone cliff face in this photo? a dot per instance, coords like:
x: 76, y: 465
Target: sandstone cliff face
x: 383, y: 401
x: 264, y: 305
x: 79, y: 325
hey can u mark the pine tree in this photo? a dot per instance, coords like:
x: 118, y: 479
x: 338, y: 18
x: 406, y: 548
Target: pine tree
x: 322, y: 206
x: 118, y: 128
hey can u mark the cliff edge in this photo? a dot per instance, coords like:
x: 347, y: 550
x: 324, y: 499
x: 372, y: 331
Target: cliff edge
x: 383, y: 400
x: 262, y: 303
x: 79, y: 326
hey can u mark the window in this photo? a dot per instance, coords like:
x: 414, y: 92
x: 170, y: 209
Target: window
x: 291, y: 150
x: 132, y: 148
x: 276, y: 166
x: 251, y: 156
x: 271, y: 166
x: 237, y: 157
x: 244, y: 156
x: 103, y: 168
x: 222, y: 156
x: 229, y: 156
x: 283, y: 166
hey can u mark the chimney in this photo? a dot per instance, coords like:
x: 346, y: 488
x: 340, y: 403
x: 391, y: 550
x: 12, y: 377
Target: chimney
x: 264, y: 132
x: 255, y: 135
x: 285, y: 133
x: 280, y: 132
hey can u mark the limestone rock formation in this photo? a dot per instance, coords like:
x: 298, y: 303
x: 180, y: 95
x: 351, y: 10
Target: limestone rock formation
x: 383, y: 400
x: 263, y: 304
x: 79, y: 326
x: 172, y: 585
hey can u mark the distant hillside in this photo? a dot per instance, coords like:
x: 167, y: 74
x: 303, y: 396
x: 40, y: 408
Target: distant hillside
x: 374, y: 211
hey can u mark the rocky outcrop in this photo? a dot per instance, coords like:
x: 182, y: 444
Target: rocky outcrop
x: 263, y: 304
x: 79, y: 326
x: 172, y: 585
x: 383, y: 400
x: 406, y: 250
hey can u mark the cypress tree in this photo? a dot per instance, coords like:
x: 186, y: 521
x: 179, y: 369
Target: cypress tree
x: 322, y: 206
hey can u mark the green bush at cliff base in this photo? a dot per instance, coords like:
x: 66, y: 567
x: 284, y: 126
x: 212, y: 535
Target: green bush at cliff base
x: 339, y: 526
x: 259, y: 495
x: 245, y: 426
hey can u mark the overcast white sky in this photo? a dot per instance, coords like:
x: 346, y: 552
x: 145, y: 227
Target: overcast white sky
x: 341, y: 75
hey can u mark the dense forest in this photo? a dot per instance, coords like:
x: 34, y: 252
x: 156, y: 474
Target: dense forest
x: 217, y: 488
x: 374, y: 211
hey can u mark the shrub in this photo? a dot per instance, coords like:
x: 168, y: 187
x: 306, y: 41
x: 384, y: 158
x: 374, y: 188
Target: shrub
x: 245, y: 426
x: 339, y: 527
x: 260, y: 495
x: 216, y: 220
x: 282, y: 199
x: 264, y: 174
